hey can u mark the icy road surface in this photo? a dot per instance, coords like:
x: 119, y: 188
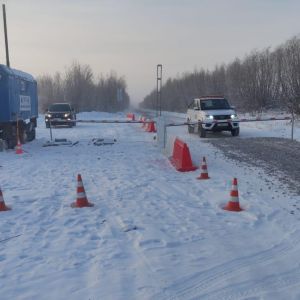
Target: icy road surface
x: 154, y: 233
x: 279, y: 156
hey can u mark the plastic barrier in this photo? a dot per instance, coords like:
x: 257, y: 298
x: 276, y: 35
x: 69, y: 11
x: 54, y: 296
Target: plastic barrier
x: 181, y: 158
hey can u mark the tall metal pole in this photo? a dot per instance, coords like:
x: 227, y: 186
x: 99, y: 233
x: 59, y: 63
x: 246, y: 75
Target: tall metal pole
x: 156, y: 106
x: 5, y: 36
x: 158, y: 89
x: 293, y: 123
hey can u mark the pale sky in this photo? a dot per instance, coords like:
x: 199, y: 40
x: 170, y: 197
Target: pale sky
x: 132, y: 36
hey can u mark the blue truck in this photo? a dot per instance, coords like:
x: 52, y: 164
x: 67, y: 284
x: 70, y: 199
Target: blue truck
x: 18, y: 106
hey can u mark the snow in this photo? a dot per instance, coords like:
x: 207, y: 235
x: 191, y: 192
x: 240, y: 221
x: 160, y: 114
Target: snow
x: 17, y: 73
x: 154, y: 233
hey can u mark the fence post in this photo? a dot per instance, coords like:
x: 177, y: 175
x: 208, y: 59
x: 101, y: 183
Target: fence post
x: 50, y: 127
x: 161, y: 131
x: 293, y: 122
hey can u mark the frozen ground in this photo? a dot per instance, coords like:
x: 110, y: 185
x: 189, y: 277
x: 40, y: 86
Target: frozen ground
x: 154, y: 233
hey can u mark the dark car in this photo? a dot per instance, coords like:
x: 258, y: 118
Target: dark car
x: 60, y: 114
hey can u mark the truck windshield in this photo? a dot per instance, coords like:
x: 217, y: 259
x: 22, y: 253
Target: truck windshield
x: 214, y: 104
x: 59, y: 107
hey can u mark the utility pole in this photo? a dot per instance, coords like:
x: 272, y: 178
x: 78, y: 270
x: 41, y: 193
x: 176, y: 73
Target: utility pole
x: 5, y: 35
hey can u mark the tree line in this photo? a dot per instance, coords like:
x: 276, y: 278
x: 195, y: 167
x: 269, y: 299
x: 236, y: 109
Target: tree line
x: 261, y: 80
x: 79, y: 87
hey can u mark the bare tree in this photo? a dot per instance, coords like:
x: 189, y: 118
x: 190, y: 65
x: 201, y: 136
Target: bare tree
x: 288, y: 71
x: 77, y: 87
x: 262, y: 79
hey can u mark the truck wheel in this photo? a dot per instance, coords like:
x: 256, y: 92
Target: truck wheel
x: 202, y: 132
x: 31, y: 135
x: 30, y: 131
x: 10, y: 142
x: 47, y: 125
x: 9, y: 135
x: 3, y: 145
x: 235, y: 132
x: 190, y: 129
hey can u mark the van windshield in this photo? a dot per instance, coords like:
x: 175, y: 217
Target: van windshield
x: 59, y: 107
x: 209, y: 104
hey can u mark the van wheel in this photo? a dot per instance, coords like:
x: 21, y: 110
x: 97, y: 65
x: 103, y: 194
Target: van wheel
x: 202, y: 132
x: 235, y: 132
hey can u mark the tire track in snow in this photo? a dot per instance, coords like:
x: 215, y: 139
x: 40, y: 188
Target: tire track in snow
x: 251, y: 288
x: 126, y: 199
x: 140, y: 243
x: 194, y: 286
x: 116, y: 226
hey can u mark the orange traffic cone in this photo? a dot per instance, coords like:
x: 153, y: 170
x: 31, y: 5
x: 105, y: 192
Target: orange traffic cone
x: 233, y: 204
x: 81, y: 200
x: 204, y: 173
x: 3, y: 207
x: 19, y: 147
x: 151, y: 127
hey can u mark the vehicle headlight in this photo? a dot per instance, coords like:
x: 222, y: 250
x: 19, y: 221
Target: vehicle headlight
x: 233, y: 116
x: 48, y: 115
x: 66, y: 115
x: 210, y: 117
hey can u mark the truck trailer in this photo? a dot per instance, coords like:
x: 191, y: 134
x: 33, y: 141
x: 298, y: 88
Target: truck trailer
x: 18, y: 102
x: 18, y: 106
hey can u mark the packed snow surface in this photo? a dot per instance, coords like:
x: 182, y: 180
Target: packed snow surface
x: 153, y: 232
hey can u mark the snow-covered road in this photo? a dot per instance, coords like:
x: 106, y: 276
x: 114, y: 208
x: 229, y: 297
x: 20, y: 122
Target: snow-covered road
x: 154, y: 233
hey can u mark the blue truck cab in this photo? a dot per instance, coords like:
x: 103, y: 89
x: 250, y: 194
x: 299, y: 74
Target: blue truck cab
x: 18, y: 106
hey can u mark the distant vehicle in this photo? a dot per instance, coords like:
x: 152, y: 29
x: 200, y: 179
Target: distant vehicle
x: 18, y: 106
x: 60, y: 114
x: 212, y: 113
